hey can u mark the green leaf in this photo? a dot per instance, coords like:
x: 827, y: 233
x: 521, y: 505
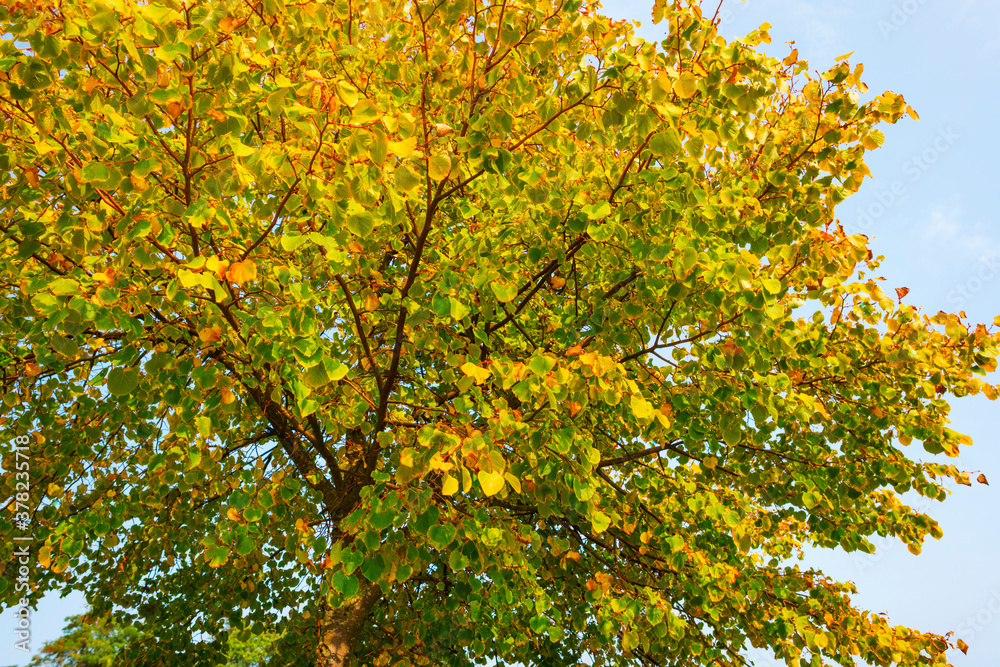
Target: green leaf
x: 504, y: 292
x: 689, y: 259
x: 601, y: 232
x: 345, y: 584
x: 364, y: 112
x: 597, y: 211
x: 373, y: 568
x: 61, y: 286
x: 582, y: 490
x: 443, y: 535
x: 122, y: 381
x: 458, y: 309
x: 600, y: 521
x: 253, y: 514
x: 665, y: 144
x: 407, y: 178
x: 95, y: 172
x: 541, y: 364
x: 244, y: 545
x: 361, y: 224
x: 290, y: 242
x: 239, y: 499
x: 732, y: 434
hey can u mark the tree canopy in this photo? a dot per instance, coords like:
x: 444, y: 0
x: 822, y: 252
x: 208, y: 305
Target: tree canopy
x: 444, y: 333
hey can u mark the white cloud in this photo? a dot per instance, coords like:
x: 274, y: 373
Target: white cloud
x: 945, y: 225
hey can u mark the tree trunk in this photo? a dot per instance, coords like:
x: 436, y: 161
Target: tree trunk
x: 341, y: 626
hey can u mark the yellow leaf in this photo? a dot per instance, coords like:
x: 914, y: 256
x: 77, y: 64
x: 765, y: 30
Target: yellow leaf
x: 686, y: 85
x: 227, y: 396
x: 227, y: 24
x: 233, y: 514
x: 449, y: 486
x: 348, y: 94
x: 491, y: 482
x: 439, y: 167
x: 404, y: 148
x: 45, y: 556
x: 242, y: 272
x: 438, y: 463
x: 90, y: 84
x: 792, y: 58
x: 845, y: 56
x: 217, y: 266
x: 481, y: 375
x: 641, y: 408
x: 302, y: 526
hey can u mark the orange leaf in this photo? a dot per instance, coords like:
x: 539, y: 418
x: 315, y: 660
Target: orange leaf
x: 242, y: 272
x: 210, y: 334
x: 174, y: 110
x: 982, y: 479
x: 962, y: 646
x: 901, y: 292
x: 227, y: 24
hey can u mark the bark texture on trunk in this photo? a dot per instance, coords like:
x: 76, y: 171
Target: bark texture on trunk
x: 341, y: 626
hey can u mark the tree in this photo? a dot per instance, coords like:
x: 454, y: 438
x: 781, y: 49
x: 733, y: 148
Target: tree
x: 443, y: 333
x: 98, y: 642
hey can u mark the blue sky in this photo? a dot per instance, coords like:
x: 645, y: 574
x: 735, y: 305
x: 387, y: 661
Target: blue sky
x: 930, y: 208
